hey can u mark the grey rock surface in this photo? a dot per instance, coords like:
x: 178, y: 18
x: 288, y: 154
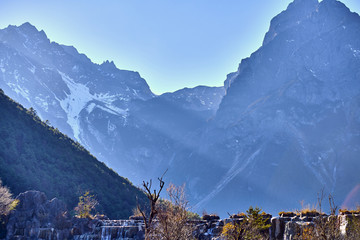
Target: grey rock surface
x: 37, y: 218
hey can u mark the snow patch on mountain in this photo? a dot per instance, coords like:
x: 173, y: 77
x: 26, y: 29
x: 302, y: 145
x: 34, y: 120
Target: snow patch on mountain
x: 356, y: 52
x: 111, y: 127
x: 74, y: 102
x: 108, y: 101
x: 79, y: 99
x: 19, y: 90
x: 32, y: 69
x: 90, y: 107
x: 42, y: 102
x: 17, y: 87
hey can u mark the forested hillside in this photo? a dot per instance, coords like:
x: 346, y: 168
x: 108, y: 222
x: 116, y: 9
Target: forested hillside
x: 34, y: 155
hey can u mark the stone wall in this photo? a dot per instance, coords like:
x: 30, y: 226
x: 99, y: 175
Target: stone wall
x: 38, y: 218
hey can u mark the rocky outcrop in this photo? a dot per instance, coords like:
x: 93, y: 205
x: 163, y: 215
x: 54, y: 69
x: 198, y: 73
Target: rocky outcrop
x: 38, y: 218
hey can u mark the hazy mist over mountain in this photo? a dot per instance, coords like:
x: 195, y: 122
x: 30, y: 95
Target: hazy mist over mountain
x: 282, y: 127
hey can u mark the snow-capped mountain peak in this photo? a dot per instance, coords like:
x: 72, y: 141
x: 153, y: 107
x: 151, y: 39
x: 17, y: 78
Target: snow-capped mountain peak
x: 61, y: 82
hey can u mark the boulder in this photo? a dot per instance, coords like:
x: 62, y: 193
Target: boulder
x: 36, y: 217
x: 277, y: 228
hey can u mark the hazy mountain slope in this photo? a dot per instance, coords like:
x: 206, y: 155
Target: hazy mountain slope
x: 202, y: 99
x: 63, y: 85
x: 36, y: 156
x: 98, y: 105
x: 290, y: 118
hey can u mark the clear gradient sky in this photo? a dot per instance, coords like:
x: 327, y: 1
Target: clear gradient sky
x: 172, y: 43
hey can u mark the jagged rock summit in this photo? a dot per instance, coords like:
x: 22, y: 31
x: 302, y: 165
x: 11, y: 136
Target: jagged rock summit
x: 296, y: 12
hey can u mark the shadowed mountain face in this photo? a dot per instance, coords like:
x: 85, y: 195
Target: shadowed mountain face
x: 288, y: 125
x: 34, y: 155
x: 290, y: 118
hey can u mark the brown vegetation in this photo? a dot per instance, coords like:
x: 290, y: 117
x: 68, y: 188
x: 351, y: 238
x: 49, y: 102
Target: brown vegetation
x: 324, y: 227
x: 173, y: 217
x: 7, y: 203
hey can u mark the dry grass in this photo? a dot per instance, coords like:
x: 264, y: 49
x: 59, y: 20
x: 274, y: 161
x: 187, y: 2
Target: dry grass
x: 349, y: 212
x: 288, y: 213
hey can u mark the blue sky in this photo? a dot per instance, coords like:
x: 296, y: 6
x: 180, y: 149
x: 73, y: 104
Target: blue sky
x: 172, y: 43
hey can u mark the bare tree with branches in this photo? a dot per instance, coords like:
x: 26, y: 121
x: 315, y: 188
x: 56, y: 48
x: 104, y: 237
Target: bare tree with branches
x: 173, y: 219
x: 324, y: 227
x: 153, y: 197
x: 327, y: 227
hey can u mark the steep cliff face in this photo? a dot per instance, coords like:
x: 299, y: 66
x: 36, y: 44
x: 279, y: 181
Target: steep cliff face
x: 290, y: 118
x: 324, y: 41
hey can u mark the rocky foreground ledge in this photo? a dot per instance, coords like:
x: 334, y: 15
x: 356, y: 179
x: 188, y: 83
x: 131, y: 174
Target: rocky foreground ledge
x: 38, y: 218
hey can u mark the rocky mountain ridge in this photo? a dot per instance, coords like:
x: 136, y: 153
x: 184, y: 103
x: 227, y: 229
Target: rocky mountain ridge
x: 91, y: 103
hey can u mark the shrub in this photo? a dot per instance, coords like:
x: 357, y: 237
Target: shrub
x: 349, y: 212
x: 173, y: 217
x: 310, y: 212
x: 7, y: 203
x: 193, y: 216
x: 353, y: 227
x: 254, y: 226
x: 324, y: 227
x: 86, y: 205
